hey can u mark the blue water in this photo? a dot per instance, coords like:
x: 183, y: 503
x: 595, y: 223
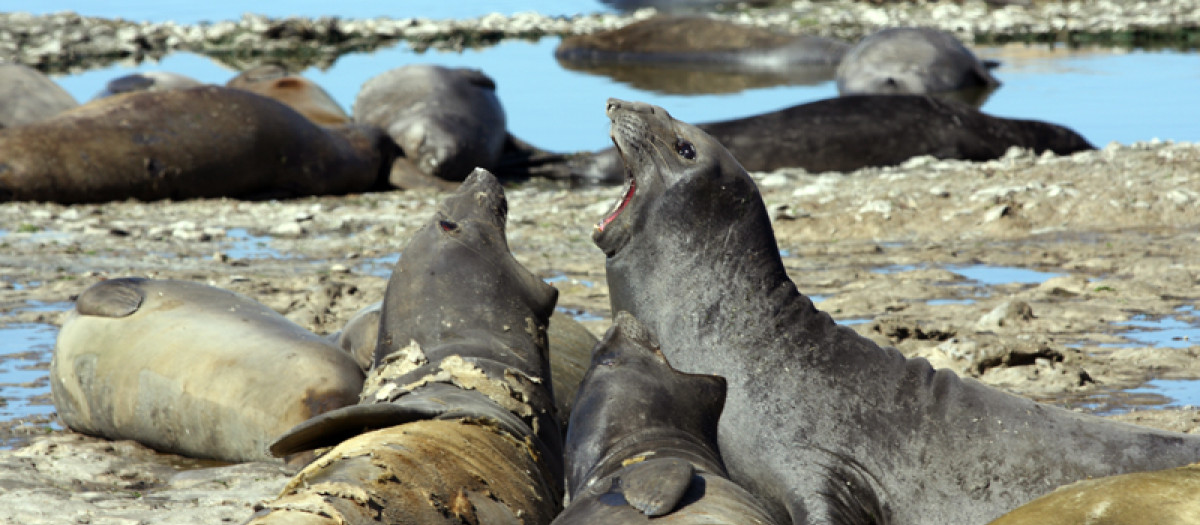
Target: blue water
x: 1167, y: 332
x: 22, y: 348
x: 241, y: 244
x: 997, y: 275
x: 1181, y: 392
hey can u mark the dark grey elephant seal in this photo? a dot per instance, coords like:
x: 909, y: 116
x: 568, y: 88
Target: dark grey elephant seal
x: 299, y: 93
x: 853, y: 132
x: 642, y: 448
x: 186, y: 143
x: 460, y: 388
x: 697, y: 54
x: 27, y: 95
x: 147, y: 81
x: 915, y: 61
x: 191, y: 369
x: 825, y: 424
x: 569, y: 342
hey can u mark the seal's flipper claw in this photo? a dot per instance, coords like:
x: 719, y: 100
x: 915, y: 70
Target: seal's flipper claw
x: 655, y: 487
x: 112, y: 298
x: 335, y: 426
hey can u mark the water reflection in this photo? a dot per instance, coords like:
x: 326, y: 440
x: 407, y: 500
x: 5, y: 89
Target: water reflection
x: 25, y: 351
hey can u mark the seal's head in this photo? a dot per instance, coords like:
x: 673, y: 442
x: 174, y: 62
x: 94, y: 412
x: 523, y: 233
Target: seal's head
x: 632, y: 405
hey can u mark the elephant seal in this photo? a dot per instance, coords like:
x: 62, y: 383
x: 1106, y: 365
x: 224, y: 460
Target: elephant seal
x: 914, y: 61
x: 191, y: 369
x: 462, y: 379
x: 186, y: 143
x: 642, y: 448
x: 299, y: 93
x: 569, y: 342
x: 823, y: 423
x: 848, y: 133
x: 698, y: 54
x: 147, y: 81
x: 1160, y: 496
x: 27, y: 95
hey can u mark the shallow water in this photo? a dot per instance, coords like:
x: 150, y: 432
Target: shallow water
x: 25, y: 351
x: 998, y: 275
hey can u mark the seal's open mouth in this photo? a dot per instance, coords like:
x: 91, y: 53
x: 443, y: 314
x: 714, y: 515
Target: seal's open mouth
x: 630, y: 188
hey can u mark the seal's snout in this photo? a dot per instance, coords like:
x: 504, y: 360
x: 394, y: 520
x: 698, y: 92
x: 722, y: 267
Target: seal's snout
x: 615, y: 106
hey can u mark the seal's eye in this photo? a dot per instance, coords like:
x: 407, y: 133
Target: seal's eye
x: 449, y: 226
x: 685, y: 149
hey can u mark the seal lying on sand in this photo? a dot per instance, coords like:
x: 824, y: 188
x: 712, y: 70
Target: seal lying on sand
x: 190, y: 369
x: 299, y: 93
x: 654, y: 53
x: 185, y: 143
x: 853, y: 132
x: 1160, y: 497
x: 462, y: 379
x: 822, y: 422
x: 643, y: 444
x: 913, y: 61
x: 27, y: 95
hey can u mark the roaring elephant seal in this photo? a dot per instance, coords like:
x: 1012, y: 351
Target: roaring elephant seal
x: 27, y: 95
x: 299, y: 93
x: 186, y: 143
x: 674, y: 54
x: 569, y: 342
x: 823, y: 423
x: 913, y: 61
x: 1165, y: 497
x: 147, y: 81
x: 848, y: 133
x: 460, y: 389
x: 191, y: 369
x: 642, y: 448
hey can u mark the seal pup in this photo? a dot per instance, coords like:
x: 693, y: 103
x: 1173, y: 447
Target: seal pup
x: 299, y: 93
x: 1163, y: 497
x: 27, y: 95
x: 698, y: 54
x: 192, y: 369
x: 460, y: 388
x: 642, y: 448
x: 821, y: 422
x: 848, y: 133
x: 913, y: 61
x: 147, y: 81
x: 186, y: 143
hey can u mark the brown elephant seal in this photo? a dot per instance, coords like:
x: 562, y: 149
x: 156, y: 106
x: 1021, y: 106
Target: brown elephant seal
x: 677, y: 54
x: 299, y: 93
x: 824, y: 424
x: 27, y: 95
x: 147, y: 81
x: 1162, y: 497
x: 186, y: 143
x: 642, y: 448
x: 569, y: 342
x: 853, y: 132
x: 915, y: 61
x: 462, y: 377
x: 191, y: 369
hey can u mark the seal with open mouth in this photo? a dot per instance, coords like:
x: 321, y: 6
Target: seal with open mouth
x: 826, y: 425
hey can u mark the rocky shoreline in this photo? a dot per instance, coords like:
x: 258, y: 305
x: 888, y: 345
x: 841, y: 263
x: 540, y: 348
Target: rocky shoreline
x: 67, y: 41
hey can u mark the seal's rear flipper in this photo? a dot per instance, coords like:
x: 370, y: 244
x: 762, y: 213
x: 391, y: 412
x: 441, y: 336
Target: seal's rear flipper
x: 338, y: 425
x: 655, y: 486
x: 111, y: 298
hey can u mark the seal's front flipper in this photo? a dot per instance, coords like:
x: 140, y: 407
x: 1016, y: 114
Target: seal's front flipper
x: 111, y: 298
x: 338, y: 425
x: 656, y: 486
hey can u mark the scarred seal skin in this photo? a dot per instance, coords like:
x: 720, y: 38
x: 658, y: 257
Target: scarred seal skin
x: 824, y: 424
x: 460, y: 390
x: 191, y: 369
x: 299, y: 93
x: 186, y: 143
x: 27, y: 95
x: 914, y: 61
x: 642, y: 446
x: 1167, y: 497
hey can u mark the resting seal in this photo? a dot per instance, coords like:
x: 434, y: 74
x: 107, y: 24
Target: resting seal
x: 853, y: 132
x: 824, y: 423
x: 642, y: 448
x: 27, y: 95
x: 913, y: 61
x: 299, y: 93
x: 186, y: 143
x: 190, y: 369
x: 460, y: 375
x: 1161, y: 497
